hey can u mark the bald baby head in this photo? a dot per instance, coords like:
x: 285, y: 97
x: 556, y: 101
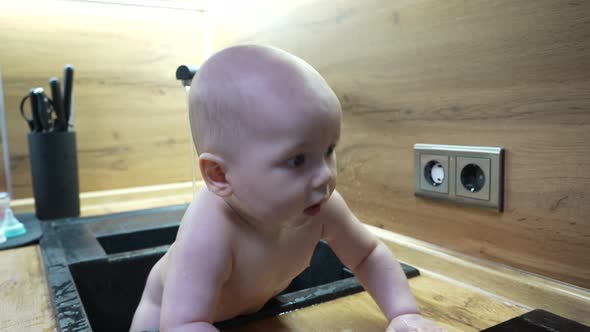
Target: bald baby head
x: 238, y: 91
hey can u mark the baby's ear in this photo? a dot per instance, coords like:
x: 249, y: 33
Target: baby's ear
x: 213, y: 172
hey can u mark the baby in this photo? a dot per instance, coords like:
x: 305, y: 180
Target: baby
x: 265, y: 125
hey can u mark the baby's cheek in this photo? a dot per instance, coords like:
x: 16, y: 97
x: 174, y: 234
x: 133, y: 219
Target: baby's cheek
x: 283, y: 204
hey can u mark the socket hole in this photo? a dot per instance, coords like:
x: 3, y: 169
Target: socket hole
x: 434, y: 172
x: 473, y: 178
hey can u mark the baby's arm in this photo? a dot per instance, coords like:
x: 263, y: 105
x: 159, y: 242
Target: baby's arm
x: 200, y: 262
x: 372, y: 263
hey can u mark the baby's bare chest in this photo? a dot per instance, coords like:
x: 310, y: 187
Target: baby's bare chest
x: 264, y: 268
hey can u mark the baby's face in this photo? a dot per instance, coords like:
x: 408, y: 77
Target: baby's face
x: 284, y: 172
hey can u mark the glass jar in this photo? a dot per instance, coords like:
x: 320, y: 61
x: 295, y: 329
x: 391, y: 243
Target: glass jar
x: 4, y: 204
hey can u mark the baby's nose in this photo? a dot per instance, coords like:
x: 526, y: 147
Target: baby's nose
x: 324, y: 177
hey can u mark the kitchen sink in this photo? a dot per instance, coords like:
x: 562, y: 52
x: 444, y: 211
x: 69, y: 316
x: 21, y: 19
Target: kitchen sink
x: 96, y: 269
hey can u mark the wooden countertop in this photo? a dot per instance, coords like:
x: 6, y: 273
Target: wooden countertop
x: 459, y: 292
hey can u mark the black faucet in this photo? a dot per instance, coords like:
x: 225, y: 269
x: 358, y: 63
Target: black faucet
x: 185, y: 74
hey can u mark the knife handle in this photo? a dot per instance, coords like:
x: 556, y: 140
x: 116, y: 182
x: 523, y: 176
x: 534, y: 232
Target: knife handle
x: 68, y: 87
x: 34, y: 111
x: 61, y: 123
x: 43, y: 115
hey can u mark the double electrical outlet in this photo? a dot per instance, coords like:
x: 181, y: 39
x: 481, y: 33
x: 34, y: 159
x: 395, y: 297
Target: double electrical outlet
x: 471, y: 175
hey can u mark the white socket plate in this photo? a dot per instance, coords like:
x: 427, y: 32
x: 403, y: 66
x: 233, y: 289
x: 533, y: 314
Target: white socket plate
x: 456, y: 157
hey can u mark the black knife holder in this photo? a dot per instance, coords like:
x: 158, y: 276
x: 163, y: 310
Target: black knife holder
x: 54, y: 170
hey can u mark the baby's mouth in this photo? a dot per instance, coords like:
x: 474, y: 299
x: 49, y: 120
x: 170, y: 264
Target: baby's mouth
x: 313, y: 210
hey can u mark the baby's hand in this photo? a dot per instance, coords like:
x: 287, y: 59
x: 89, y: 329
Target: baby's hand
x: 413, y: 323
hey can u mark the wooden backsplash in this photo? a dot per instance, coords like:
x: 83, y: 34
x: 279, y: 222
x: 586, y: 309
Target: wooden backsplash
x: 514, y: 74
x: 504, y: 73
x: 130, y: 111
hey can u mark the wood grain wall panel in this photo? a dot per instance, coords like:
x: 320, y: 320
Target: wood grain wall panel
x: 514, y: 74
x: 130, y: 112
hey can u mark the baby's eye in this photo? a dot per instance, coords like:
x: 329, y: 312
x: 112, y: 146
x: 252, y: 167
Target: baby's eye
x: 330, y: 150
x: 296, y: 161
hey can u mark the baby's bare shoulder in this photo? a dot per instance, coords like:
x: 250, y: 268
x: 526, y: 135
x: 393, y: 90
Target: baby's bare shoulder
x: 204, y: 226
x: 206, y: 213
x: 335, y: 208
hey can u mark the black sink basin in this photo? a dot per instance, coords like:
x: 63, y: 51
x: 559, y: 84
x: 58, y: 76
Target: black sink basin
x: 539, y: 320
x: 97, y: 267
